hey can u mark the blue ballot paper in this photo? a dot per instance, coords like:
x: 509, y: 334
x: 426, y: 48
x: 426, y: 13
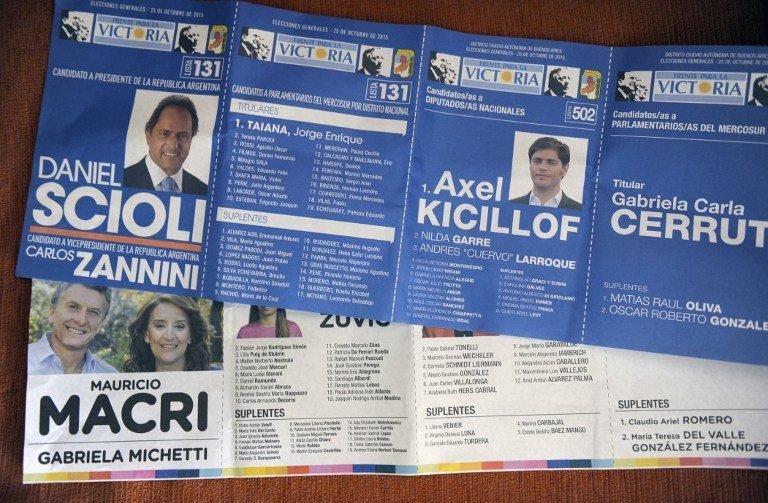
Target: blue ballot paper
x: 602, y: 195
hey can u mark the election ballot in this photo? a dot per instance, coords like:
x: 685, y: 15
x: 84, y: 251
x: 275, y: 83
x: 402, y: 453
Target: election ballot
x: 269, y: 243
x: 173, y: 388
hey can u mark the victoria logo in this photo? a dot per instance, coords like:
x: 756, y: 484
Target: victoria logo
x: 329, y: 54
x: 723, y: 88
x: 136, y: 33
x: 502, y: 76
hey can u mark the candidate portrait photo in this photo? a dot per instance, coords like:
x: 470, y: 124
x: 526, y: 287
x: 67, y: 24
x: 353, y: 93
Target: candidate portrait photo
x: 77, y: 328
x: 548, y: 171
x: 168, y: 145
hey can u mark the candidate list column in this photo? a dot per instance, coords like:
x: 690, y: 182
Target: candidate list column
x: 320, y: 393
x: 498, y: 402
x: 498, y: 215
x: 310, y: 203
x: 679, y: 239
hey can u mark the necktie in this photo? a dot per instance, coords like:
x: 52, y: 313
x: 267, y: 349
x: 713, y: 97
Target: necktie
x: 168, y: 185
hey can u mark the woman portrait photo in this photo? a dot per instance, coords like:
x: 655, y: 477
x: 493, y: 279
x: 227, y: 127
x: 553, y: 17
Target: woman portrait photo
x: 267, y: 322
x: 169, y: 334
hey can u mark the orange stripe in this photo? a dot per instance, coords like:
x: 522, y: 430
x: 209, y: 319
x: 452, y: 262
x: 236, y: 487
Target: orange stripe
x: 116, y: 239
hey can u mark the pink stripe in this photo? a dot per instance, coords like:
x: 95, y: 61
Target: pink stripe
x: 726, y: 462
x: 132, y: 474
x: 525, y: 465
x: 330, y: 468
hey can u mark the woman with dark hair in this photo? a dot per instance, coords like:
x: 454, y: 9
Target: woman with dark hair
x: 169, y: 334
x: 265, y: 322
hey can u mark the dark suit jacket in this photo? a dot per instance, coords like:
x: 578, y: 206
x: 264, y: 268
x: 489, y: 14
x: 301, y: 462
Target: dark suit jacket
x: 549, y: 92
x: 622, y: 95
x: 566, y: 203
x: 67, y: 34
x: 137, y: 176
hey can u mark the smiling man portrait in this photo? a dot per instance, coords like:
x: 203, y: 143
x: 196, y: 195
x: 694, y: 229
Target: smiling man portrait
x: 77, y: 313
x: 549, y: 160
x: 168, y: 132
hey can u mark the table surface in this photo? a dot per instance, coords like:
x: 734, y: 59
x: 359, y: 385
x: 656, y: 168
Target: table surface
x: 25, y: 26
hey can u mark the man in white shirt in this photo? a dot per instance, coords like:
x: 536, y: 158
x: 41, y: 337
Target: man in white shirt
x: 549, y: 160
x: 169, y: 132
x: 77, y: 313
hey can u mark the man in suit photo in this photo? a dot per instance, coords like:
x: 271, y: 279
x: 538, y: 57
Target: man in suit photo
x: 169, y: 132
x: 76, y: 314
x: 75, y: 26
x: 631, y: 86
x: 559, y: 83
x: 549, y: 160
x: 189, y: 39
x: 441, y: 69
x: 372, y: 62
x: 253, y: 45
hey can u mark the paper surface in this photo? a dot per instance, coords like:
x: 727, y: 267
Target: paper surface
x: 389, y: 172
x: 547, y: 199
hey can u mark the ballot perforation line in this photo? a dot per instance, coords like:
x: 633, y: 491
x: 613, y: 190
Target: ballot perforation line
x: 594, y: 198
x: 210, y: 210
x: 218, y: 148
x: 408, y: 173
x: 402, y: 228
x: 608, y: 396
